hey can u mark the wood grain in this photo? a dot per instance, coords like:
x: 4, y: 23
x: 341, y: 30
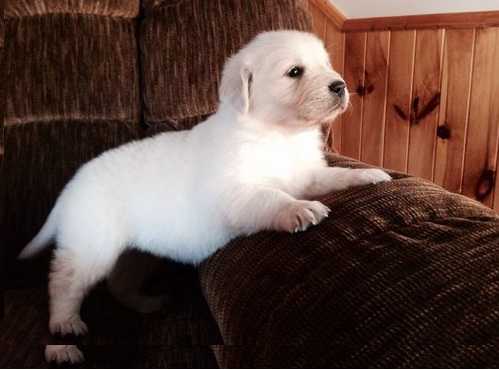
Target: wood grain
x: 351, y: 134
x: 441, y: 112
x: 335, y: 45
x: 373, y: 118
x: 426, y: 86
x: 334, y: 15
x: 458, y: 53
x: 495, y: 118
x: 398, y: 102
x: 481, y: 145
x: 318, y: 21
x: 427, y: 21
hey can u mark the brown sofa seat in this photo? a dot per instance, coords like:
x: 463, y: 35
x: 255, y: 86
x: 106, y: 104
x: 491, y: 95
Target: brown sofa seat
x: 401, y: 274
x: 80, y: 77
x: 184, y: 45
x: 71, y: 91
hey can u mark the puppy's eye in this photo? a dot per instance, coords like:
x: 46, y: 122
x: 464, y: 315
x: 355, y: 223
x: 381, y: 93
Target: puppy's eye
x: 295, y: 72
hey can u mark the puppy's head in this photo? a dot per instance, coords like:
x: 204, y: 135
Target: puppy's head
x: 284, y: 78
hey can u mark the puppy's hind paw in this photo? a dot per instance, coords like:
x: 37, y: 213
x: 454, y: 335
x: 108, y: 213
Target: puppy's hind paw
x: 73, y: 325
x: 61, y: 354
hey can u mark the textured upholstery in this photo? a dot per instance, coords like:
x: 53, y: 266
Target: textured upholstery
x: 182, y: 61
x: 2, y: 89
x: 403, y: 274
x: 112, y: 8
x: 78, y: 77
x: 71, y: 91
x: 71, y: 67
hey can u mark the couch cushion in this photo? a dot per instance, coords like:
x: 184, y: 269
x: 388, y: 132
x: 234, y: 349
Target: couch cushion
x: 185, y: 43
x: 401, y: 274
x: 71, y: 91
x: 115, y: 8
x: 62, y: 66
x: 39, y: 160
x: 2, y: 87
x: 177, y: 336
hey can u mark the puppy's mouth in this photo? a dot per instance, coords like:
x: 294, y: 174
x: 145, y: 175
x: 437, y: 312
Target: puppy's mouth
x: 336, y: 109
x: 342, y: 105
x: 332, y: 109
x: 339, y: 107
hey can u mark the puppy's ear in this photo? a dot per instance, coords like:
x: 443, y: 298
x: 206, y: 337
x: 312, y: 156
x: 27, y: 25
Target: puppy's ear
x: 235, y: 87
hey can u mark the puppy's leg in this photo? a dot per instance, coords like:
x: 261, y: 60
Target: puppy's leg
x: 126, y: 281
x: 266, y: 208
x: 328, y: 179
x: 71, y: 278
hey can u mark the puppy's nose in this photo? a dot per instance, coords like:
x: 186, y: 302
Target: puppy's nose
x: 337, y: 87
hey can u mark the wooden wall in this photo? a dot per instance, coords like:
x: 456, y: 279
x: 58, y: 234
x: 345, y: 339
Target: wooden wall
x: 334, y: 40
x: 424, y: 101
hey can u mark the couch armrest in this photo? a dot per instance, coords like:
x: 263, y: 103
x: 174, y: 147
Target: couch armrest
x: 402, y: 274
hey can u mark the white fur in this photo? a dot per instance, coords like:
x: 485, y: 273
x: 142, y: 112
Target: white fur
x: 251, y: 166
x: 63, y: 353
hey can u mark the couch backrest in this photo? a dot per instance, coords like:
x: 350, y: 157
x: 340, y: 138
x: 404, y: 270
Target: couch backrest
x: 82, y: 76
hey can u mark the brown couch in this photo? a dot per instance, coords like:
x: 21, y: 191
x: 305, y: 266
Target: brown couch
x: 403, y: 274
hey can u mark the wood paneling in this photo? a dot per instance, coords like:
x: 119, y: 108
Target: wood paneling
x: 355, y: 56
x: 398, y: 103
x: 494, y: 117
x: 424, y: 100
x: 481, y: 147
x: 318, y: 21
x: 426, y: 21
x: 335, y: 44
x: 458, y: 53
x: 424, y: 105
x: 373, y: 117
x: 334, y: 16
x: 334, y: 41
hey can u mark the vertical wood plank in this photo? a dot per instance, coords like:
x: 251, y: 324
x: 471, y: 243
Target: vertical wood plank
x: 373, y: 121
x: 424, y: 105
x: 335, y: 45
x: 442, y: 132
x: 398, y: 103
x: 481, y: 146
x: 495, y: 118
x: 318, y: 21
x: 458, y: 53
x: 355, y: 47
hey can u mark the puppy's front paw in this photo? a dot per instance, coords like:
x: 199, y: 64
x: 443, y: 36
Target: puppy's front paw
x: 63, y: 354
x: 370, y: 176
x: 299, y: 215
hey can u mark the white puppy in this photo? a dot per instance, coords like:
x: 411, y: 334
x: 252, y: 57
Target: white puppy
x: 254, y: 165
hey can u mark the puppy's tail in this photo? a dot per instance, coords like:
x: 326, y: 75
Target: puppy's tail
x: 43, y: 238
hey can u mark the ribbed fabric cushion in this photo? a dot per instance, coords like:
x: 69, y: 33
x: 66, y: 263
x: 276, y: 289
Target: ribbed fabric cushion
x: 185, y: 43
x: 39, y: 160
x: 2, y: 88
x: 62, y: 66
x: 71, y: 91
x: 115, y: 8
x: 178, y: 336
x: 401, y: 274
